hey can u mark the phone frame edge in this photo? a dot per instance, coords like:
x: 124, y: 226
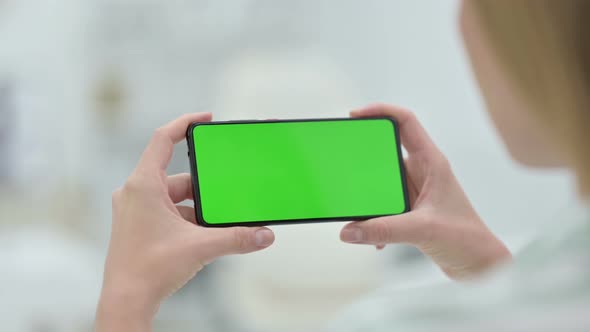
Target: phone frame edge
x: 195, y: 183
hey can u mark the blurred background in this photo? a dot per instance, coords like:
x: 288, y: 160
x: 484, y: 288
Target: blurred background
x: 84, y: 83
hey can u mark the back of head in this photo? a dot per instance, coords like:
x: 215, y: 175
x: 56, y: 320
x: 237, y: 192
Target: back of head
x: 545, y: 45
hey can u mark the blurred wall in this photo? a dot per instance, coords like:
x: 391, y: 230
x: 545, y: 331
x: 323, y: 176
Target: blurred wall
x: 83, y: 84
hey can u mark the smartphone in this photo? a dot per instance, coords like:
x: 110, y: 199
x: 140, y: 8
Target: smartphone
x: 251, y: 173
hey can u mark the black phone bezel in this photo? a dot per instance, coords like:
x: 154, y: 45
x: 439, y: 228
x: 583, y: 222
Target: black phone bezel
x: 195, y: 181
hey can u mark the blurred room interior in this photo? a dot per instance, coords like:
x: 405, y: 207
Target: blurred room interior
x: 84, y: 83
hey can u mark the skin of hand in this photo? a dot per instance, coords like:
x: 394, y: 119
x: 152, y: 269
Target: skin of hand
x: 442, y: 224
x: 155, y: 246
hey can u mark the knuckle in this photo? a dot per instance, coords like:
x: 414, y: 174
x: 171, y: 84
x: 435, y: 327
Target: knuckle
x: 115, y: 196
x: 159, y: 252
x: 133, y: 184
x: 187, y: 116
x: 160, y: 136
x: 443, y: 162
x: 409, y: 115
x: 402, y: 114
x: 380, y: 231
x: 241, y: 238
x: 443, y: 167
x: 382, y: 106
x: 159, y: 133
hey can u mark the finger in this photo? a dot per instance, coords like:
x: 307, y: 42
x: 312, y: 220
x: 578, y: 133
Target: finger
x: 187, y: 213
x: 180, y: 187
x: 212, y: 243
x: 157, y: 154
x: 413, y: 136
x: 380, y: 246
x: 404, y: 228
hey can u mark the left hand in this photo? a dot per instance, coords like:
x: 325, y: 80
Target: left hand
x: 442, y: 224
x: 156, y: 247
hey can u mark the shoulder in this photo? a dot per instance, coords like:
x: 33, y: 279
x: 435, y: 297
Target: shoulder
x: 546, y: 289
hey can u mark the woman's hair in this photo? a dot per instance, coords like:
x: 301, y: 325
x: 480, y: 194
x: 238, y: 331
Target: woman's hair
x: 545, y: 46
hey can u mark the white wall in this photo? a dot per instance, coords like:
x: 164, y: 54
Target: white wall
x: 246, y: 59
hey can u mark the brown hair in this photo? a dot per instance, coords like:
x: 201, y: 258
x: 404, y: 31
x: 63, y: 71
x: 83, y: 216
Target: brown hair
x: 545, y: 45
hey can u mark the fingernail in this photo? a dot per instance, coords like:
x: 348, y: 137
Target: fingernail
x: 264, y: 237
x: 351, y: 235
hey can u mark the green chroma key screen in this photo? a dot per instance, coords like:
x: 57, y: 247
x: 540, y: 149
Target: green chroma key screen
x: 296, y: 170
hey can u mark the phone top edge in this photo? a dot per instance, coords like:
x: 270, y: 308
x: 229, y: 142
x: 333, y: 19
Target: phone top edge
x: 247, y: 121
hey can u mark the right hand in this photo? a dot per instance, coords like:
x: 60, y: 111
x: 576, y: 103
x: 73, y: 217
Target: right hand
x: 442, y: 223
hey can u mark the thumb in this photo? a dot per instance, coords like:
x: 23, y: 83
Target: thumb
x: 212, y: 243
x: 404, y: 228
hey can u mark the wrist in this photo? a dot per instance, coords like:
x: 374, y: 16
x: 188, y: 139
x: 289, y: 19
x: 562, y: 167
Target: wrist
x: 123, y: 309
x: 498, y: 254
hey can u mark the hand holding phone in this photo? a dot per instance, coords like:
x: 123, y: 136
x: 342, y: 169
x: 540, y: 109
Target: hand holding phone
x: 442, y: 223
x: 155, y: 247
x: 293, y: 171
